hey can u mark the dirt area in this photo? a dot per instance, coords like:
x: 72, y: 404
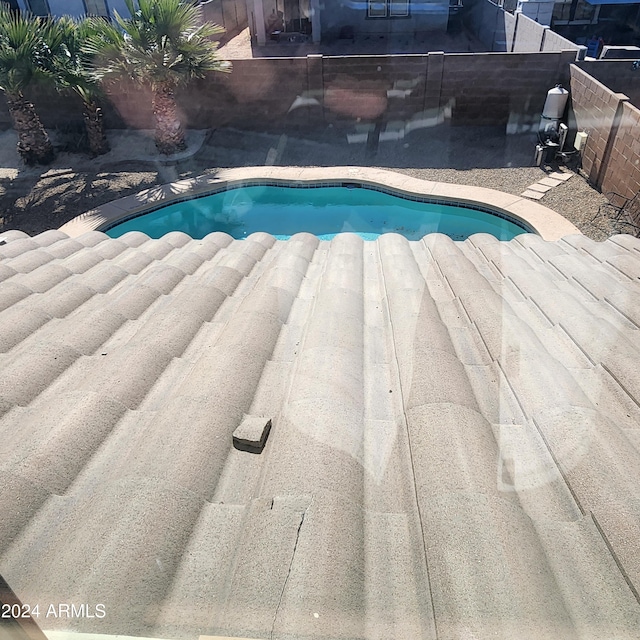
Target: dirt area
x: 240, y: 46
x: 34, y: 199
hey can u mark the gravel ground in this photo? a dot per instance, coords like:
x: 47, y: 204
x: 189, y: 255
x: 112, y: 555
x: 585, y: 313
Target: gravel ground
x: 40, y: 198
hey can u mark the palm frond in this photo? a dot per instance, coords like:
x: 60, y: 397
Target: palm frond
x: 163, y: 42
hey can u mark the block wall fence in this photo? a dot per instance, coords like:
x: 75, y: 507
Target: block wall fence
x: 311, y: 92
x: 500, y: 30
x: 611, y: 158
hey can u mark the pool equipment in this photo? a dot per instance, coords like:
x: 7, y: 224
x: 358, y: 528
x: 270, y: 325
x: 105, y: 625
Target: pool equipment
x: 551, y: 132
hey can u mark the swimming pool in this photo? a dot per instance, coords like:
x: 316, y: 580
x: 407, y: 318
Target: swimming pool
x: 323, y: 211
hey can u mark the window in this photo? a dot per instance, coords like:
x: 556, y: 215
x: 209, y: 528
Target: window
x: 38, y: 7
x: 96, y: 8
x: 585, y: 13
x: 388, y: 8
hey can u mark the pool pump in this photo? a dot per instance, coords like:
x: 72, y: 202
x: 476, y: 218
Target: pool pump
x: 551, y: 132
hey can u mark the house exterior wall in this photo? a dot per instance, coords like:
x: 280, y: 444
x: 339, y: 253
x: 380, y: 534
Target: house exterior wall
x: 425, y: 16
x: 74, y: 8
x: 539, y: 10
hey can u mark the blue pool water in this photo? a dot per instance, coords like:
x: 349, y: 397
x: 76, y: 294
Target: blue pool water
x: 322, y: 211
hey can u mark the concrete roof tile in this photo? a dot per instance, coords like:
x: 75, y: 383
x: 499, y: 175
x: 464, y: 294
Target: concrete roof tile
x: 625, y: 240
x: 104, y: 276
x: 17, y: 246
x: 626, y: 263
x: 69, y: 431
x: 441, y: 413
x: 83, y: 261
x: 162, y: 277
x: 134, y: 263
x: 64, y: 298
x: 98, y: 327
x: 6, y: 272
x: 13, y: 234
x: 20, y: 500
x: 29, y: 261
x: 107, y: 248
x: 18, y: 322
x: 49, y: 237
x: 44, y: 278
x: 137, y: 238
x: 32, y: 369
x: 11, y: 293
x: 92, y: 238
x: 64, y: 247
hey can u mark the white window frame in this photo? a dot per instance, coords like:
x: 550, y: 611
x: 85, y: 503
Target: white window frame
x: 388, y: 8
x: 594, y: 20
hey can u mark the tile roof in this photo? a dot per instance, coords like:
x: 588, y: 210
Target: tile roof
x: 454, y: 448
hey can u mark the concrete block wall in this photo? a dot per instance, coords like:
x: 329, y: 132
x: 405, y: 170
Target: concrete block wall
x: 622, y: 172
x: 369, y: 88
x: 258, y: 93
x: 529, y: 35
x: 500, y: 30
x: 510, y: 23
x: 553, y: 41
x: 261, y: 94
x: 594, y: 107
x: 491, y: 88
x: 618, y: 75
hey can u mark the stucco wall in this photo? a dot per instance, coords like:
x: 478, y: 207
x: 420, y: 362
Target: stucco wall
x: 425, y: 16
x: 73, y: 8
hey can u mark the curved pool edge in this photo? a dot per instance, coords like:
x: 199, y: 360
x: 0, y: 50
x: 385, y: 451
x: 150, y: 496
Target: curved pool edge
x: 546, y: 222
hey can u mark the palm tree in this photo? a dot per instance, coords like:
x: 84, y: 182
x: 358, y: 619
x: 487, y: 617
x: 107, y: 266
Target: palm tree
x: 163, y: 45
x: 24, y: 57
x: 73, y: 71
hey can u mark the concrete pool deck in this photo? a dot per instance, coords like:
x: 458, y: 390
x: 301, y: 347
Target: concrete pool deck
x: 547, y: 223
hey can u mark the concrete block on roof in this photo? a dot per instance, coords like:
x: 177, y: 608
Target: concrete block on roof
x: 252, y: 433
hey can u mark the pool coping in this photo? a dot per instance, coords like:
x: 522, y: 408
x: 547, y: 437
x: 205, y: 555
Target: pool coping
x: 547, y: 223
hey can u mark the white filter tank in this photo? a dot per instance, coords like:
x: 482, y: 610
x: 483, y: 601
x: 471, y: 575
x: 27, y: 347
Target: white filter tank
x: 555, y: 103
